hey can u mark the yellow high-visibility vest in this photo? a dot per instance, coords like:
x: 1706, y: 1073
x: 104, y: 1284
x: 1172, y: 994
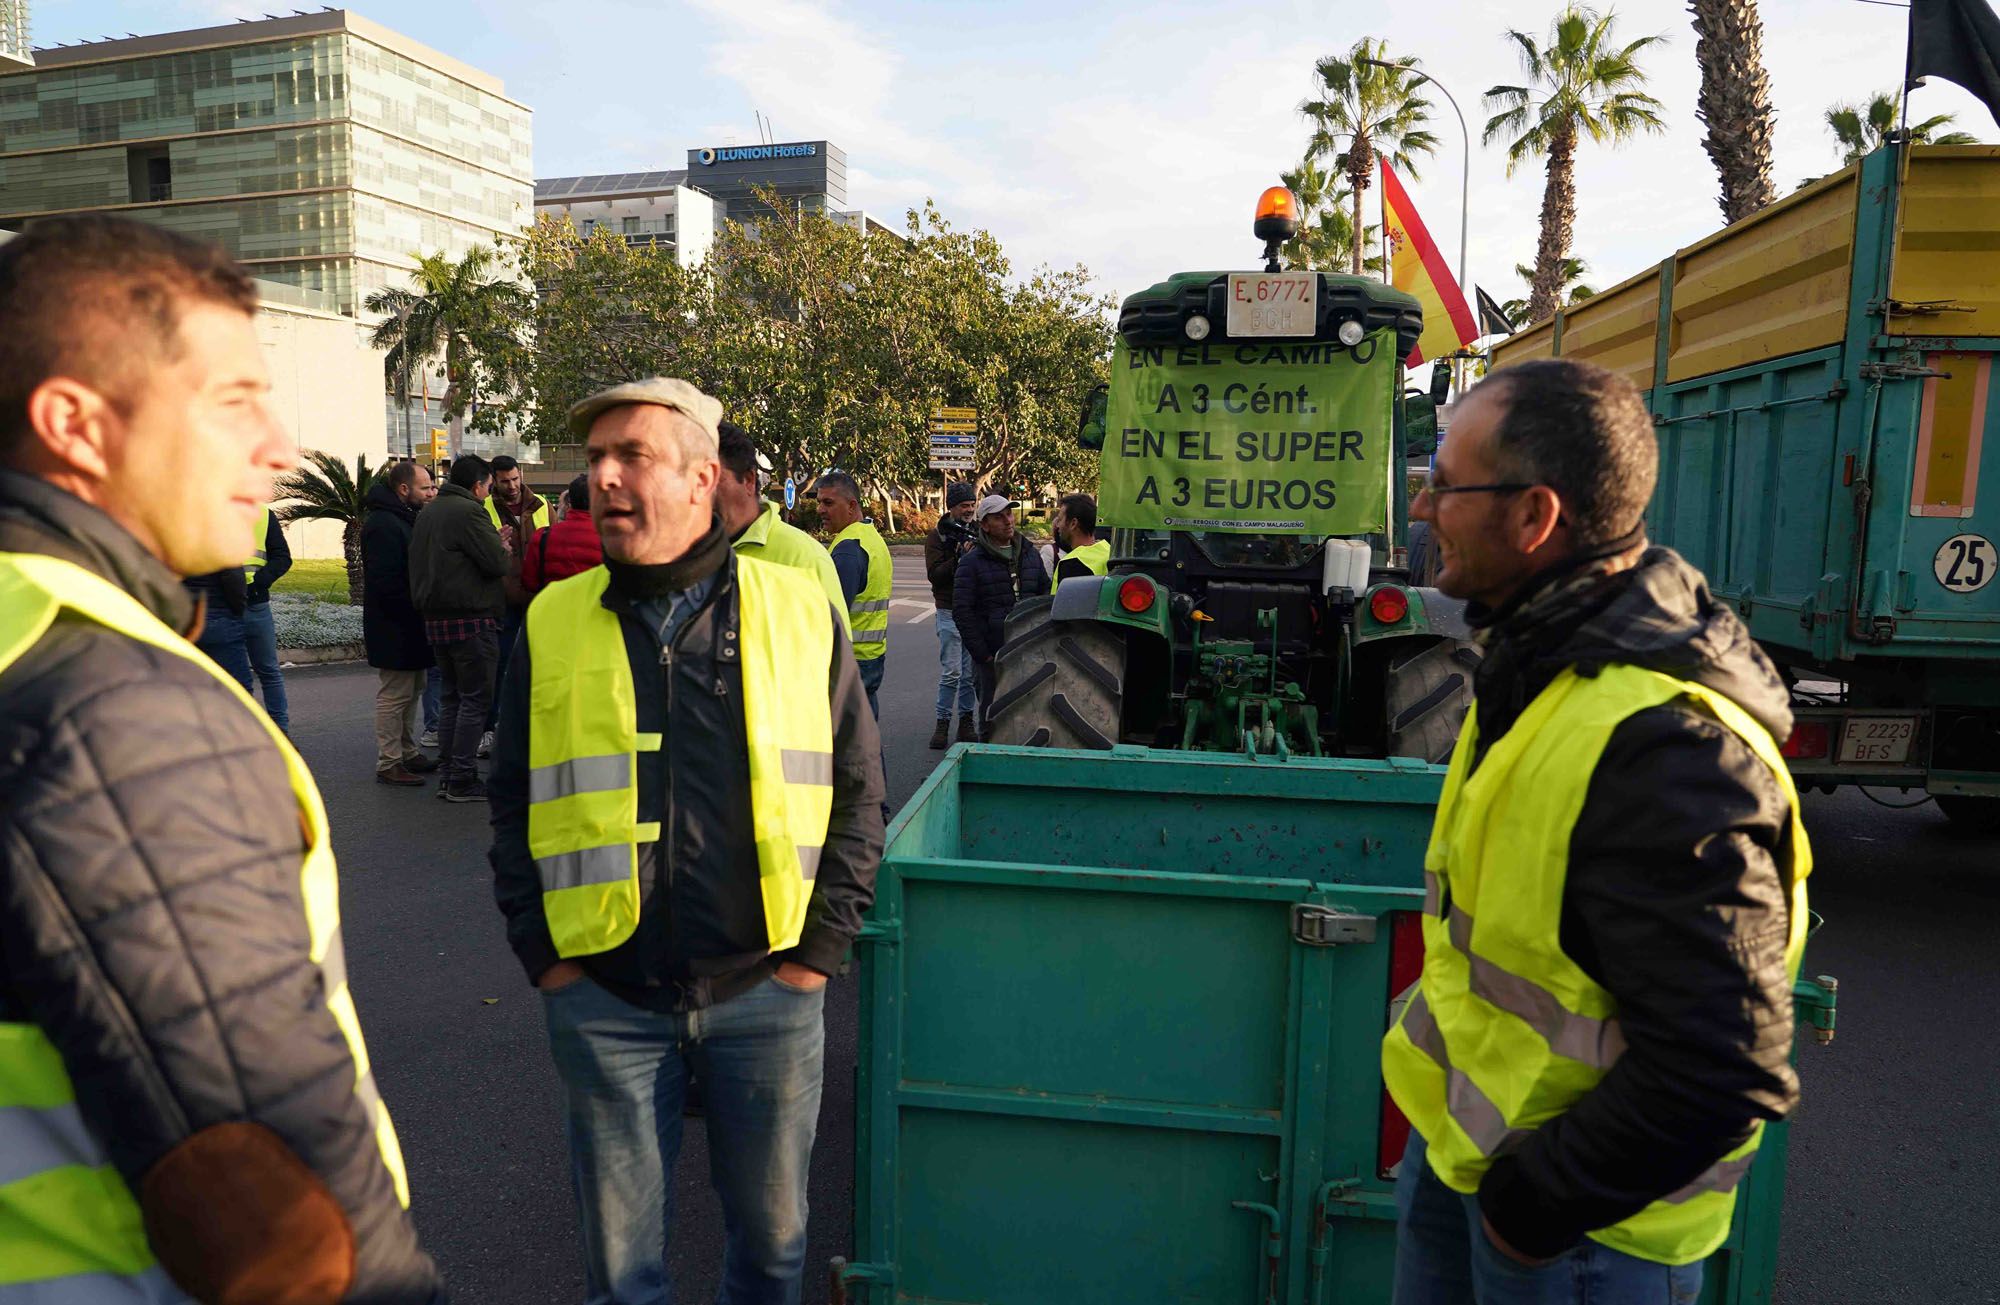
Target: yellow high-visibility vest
x: 1095, y: 556
x: 868, y: 615
x: 72, y: 1215
x: 769, y: 539
x: 538, y: 519
x: 584, y: 744
x: 260, y: 556
x: 1506, y: 1031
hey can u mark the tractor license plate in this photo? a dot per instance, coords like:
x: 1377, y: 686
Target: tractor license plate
x: 1877, y: 739
x: 1273, y: 303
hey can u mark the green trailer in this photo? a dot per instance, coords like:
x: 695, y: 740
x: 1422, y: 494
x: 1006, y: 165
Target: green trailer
x: 1120, y: 1021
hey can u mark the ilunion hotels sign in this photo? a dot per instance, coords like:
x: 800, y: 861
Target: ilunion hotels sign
x: 753, y: 153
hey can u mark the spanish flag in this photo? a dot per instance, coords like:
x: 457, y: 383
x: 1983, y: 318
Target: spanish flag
x: 1417, y: 268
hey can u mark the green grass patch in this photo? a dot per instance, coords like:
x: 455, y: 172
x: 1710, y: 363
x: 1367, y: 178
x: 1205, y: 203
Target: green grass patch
x: 324, y: 578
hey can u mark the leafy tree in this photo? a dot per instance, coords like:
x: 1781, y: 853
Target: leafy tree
x: 1326, y: 224
x: 1571, y: 291
x: 323, y: 490
x: 1580, y: 83
x: 460, y: 311
x: 1371, y: 102
x: 1735, y: 102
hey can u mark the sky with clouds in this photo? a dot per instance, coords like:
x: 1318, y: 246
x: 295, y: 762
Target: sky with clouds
x: 1131, y: 138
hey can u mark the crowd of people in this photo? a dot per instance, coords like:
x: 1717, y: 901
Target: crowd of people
x: 688, y: 805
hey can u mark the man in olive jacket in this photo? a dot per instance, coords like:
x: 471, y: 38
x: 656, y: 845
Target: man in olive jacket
x: 178, y: 1097
x: 458, y: 573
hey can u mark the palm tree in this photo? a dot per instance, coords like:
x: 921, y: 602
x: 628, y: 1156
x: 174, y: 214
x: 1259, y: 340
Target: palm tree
x: 1572, y: 290
x: 1371, y: 101
x: 322, y: 490
x: 1861, y: 129
x: 461, y: 310
x: 1735, y: 102
x: 1326, y: 227
x: 1579, y: 84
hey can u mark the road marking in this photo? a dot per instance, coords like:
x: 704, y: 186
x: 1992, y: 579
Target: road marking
x: 928, y: 610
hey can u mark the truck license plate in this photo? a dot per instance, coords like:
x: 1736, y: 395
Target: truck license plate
x: 1273, y: 303
x: 1876, y: 739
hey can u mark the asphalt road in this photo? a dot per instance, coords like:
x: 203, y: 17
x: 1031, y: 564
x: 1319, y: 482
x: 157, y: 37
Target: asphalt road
x: 1894, y: 1195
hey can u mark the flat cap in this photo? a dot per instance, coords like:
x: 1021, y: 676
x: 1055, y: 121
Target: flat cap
x: 703, y: 410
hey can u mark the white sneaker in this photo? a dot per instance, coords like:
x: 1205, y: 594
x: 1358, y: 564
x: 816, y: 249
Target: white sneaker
x: 486, y: 744
x: 429, y: 739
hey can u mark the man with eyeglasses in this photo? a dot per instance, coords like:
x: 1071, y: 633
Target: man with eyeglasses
x: 1615, y: 904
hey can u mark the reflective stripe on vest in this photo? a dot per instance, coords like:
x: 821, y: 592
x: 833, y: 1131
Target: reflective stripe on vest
x: 539, y: 519
x: 1506, y: 1031
x: 769, y: 539
x: 261, y: 555
x: 583, y: 753
x: 868, y: 614
x: 40, y: 1212
x: 1096, y: 557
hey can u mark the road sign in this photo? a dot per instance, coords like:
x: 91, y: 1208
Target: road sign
x: 937, y: 425
x: 950, y: 462
x: 953, y: 441
x: 955, y: 414
x: 791, y: 493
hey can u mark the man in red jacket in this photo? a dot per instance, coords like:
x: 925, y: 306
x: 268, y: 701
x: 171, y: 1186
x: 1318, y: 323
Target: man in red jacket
x: 569, y: 547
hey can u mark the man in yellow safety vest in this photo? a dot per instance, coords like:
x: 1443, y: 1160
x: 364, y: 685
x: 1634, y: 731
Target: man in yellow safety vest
x: 186, y: 1104
x: 861, y: 558
x: 752, y: 522
x: 686, y: 798
x: 1615, y: 904
x: 1075, y: 528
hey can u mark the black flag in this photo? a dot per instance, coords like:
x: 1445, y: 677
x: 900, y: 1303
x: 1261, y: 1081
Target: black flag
x: 1491, y: 320
x: 1958, y: 40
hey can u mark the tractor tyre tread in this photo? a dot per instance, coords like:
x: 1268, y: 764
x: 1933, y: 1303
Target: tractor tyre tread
x: 1057, y: 683
x: 1426, y: 694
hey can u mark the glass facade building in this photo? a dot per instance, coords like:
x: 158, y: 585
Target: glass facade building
x: 324, y: 151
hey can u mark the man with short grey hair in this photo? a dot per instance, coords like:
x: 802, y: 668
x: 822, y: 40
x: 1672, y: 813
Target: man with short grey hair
x: 861, y: 558
x: 1616, y: 889
x: 686, y: 798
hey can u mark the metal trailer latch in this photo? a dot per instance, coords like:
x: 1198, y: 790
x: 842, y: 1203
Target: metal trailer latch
x: 1322, y: 926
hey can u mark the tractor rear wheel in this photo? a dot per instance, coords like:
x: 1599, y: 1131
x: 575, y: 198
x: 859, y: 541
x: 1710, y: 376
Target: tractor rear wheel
x: 1426, y: 694
x: 1058, y: 684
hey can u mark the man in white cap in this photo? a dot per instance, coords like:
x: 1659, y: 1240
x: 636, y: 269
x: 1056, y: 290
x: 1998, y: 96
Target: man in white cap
x: 994, y: 574
x: 687, y: 795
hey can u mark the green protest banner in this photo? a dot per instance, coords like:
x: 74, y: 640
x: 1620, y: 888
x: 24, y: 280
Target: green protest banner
x: 1283, y: 437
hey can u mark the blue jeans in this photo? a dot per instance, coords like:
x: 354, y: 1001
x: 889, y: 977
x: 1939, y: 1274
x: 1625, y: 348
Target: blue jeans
x: 433, y: 697
x: 956, y: 686
x: 260, y: 639
x: 222, y: 638
x: 871, y: 680
x: 1443, y: 1257
x: 624, y: 1072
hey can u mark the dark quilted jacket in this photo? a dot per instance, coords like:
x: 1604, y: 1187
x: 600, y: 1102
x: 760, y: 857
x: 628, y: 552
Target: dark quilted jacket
x: 986, y: 589
x: 391, y: 628
x: 150, y: 913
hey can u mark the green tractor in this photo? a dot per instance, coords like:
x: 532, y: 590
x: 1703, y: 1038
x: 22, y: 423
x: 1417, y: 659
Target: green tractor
x: 1253, y: 442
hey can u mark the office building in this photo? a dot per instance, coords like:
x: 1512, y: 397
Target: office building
x: 15, y: 51
x: 682, y: 209
x: 323, y: 150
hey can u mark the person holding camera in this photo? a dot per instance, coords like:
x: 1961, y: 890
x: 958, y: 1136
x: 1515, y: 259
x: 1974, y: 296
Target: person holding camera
x: 947, y: 542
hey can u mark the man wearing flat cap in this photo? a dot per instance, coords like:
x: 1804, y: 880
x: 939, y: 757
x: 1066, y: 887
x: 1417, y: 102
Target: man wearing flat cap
x: 687, y: 812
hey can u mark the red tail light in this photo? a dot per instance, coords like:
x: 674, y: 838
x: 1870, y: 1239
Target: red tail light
x: 1406, y: 966
x: 1136, y: 594
x: 1810, y: 739
x: 1389, y: 604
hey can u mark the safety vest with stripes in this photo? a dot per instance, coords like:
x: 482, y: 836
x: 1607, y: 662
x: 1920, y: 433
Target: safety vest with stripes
x: 868, y: 615
x: 584, y: 742
x: 1095, y: 556
x: 538, y: 519
x: 67, y: 1219
x: 260, y: 556
x: 1505, y: 1031
x: 769, y: 539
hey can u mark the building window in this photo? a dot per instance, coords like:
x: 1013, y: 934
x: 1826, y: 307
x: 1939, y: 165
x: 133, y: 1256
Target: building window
x: 631, y: 226
x: 149, y: 173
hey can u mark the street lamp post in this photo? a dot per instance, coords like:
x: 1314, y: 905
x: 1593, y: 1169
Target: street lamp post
x: 1465, y: 179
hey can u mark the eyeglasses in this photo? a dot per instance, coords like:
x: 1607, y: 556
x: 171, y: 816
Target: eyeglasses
x: 1436, y: 490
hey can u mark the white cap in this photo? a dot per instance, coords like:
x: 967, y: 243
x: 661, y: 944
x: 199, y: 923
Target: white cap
x: 992, y: 503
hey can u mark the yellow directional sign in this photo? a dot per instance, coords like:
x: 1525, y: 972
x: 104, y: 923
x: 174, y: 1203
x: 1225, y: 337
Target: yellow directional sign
x: 956, y: 414
x: 938, y: 425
